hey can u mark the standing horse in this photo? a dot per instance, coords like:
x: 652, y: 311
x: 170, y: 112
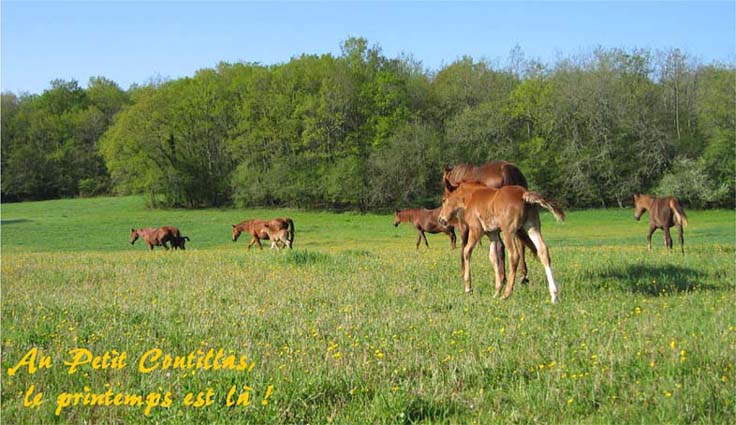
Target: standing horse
x: 425, y: 220
x: 663, y: 214
x: 507, y: 210
x: 159, y: 236
x: 494, y: 174
x: 277, y: 230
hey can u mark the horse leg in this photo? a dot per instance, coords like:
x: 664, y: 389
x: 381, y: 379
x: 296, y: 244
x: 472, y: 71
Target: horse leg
x: 510, y: 239
x: 536, y: 236
x: 681, y: 238
x: 252, y: 241
x: 522, y: 263
x: 667, y: 238
x: 467, y: 252
x: 419, y: 238
x: 453, y: 238
x: 500, y: 257
x: 652, y: 228
x: 493, y: 256
x: 425, y: 239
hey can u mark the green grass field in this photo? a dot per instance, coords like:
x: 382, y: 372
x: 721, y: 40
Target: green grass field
x: 356, y: 326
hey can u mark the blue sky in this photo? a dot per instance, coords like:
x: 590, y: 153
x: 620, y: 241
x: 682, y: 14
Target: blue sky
x: 131, y: 42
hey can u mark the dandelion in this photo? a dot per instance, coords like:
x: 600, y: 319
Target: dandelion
x: 569, y: 401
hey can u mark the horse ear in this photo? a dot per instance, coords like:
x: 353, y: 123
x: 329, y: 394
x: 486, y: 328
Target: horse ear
x: 132, y: 230
x: 233, y: 226
x: 448, y: 168
x: 448, y: 186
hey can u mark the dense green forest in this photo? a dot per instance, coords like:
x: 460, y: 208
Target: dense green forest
x: 363, y: 131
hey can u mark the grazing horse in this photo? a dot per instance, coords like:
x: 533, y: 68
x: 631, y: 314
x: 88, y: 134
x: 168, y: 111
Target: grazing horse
x: 159, y: 236
x: 663, y: 214
x: 425, y: 220
x: 508, y: 210
x: 277, y: 230
x: 494, y: 174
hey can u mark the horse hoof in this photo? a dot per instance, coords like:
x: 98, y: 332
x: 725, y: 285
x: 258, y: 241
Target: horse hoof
x: 524, y: 280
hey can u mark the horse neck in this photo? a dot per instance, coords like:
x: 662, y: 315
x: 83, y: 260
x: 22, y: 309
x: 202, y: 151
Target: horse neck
x: 407, y: 215
x: 647, y: 201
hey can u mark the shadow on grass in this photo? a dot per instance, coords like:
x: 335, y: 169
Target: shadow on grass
x: 14, y: 221
x: 649, y: 280
x: 421, y: 410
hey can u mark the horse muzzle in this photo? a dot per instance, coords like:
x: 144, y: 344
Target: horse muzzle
x: 442, y: 221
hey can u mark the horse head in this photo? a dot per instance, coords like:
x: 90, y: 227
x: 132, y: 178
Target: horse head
x: 133, y: 236
x: 451, y: 206
x: 640, y: 205
x: 236, y: 232
x: 397, y: 219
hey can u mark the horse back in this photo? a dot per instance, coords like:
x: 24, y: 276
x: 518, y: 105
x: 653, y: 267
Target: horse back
x: 168, y: 233
x: 496, y: 174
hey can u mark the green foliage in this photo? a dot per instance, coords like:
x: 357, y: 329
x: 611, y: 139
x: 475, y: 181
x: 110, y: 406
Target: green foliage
x: 688, y: 180
x: 50, y: 141
x: 363, y: 131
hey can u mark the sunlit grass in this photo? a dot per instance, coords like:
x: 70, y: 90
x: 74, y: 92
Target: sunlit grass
x: 356, y: 326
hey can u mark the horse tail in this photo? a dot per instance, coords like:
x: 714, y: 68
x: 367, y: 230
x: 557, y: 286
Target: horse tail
x: 552, y: 206
x: 513, y: 176
x: 290, y: 224
x: 680, y: 215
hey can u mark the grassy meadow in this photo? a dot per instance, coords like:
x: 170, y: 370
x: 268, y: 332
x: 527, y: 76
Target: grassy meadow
x: 355, y: 326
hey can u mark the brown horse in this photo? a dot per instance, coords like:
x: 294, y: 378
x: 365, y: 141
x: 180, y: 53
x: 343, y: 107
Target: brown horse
x: 277, y: 230
x: 494, y: 174
x: 663, y: 214
x: 425, y: 220
x: 508, y: 210
x: 159, y: 236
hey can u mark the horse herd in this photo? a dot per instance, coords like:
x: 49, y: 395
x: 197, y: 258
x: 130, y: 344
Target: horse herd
x: 491, y: 199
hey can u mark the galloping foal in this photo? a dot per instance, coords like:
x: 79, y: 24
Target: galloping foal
x: 425, y: 220
x: 510, y: 210
x: 663, y: 214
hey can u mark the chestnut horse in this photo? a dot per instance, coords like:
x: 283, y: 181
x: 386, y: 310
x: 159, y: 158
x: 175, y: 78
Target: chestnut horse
x: 663, y: 214
x: 159, y: 236
x: 277, y: 230
x: 425, y: 220
x: 508, y: 210
x: 493, y: 174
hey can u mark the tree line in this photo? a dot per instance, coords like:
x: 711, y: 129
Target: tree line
x: 363, y: 131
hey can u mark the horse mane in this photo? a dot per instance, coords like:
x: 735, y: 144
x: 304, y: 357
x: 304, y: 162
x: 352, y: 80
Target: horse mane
x: 455, y: 173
